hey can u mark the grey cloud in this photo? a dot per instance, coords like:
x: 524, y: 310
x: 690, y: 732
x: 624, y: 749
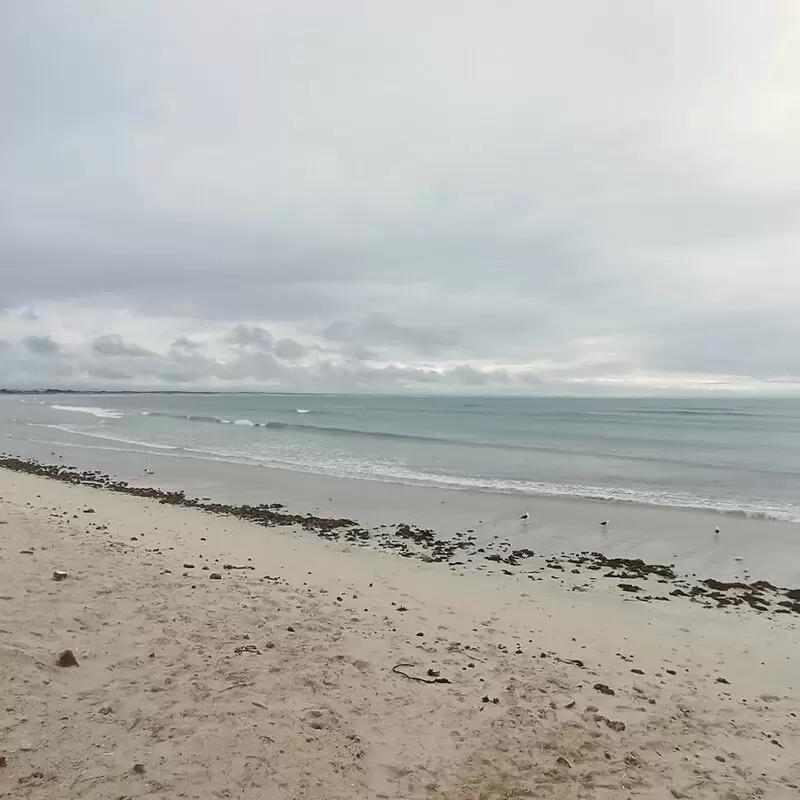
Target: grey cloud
x: 469, y: 376
x: 183, y: 343
x: 251, y: 336
x: 379, y: 329
x: 110, y: 362
x: 84, y: 367
x: 735, y: 342
x: 357, y: 352
x: 118, y: 361
x: 106, y: 373
x: 42, y: 345
x: 258, y: 366
x: 113, y: 345
x: 568, y: 192
x: 290, y: 350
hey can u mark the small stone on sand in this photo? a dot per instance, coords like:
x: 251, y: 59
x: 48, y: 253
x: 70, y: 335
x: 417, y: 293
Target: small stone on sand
x: 67, y: 659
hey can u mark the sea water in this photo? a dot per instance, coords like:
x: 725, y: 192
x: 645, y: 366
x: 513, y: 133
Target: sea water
x: 734, y: 456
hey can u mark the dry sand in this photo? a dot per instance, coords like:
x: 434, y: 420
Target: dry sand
x: 277, y: 682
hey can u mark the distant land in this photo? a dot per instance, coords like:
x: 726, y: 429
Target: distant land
x: 132, y: 391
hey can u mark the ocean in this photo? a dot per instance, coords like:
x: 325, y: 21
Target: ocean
x: 736, y: 457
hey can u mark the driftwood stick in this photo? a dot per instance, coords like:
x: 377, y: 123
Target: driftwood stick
x: 234, y: 686
x: 396, y: 670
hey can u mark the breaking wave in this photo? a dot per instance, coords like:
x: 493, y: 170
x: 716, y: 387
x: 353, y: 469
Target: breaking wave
x: 95, y: 411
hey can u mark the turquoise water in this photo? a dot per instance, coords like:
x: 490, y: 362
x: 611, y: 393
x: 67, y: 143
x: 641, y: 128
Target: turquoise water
x: 734, y: 456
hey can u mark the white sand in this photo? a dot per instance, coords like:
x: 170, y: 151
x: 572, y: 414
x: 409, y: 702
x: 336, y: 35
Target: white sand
x: 317, y: 712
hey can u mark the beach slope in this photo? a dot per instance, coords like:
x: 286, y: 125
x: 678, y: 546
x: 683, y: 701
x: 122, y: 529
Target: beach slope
x: 220, y: 659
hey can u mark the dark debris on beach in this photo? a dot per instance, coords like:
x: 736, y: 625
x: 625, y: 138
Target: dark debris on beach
x: 412, y: 541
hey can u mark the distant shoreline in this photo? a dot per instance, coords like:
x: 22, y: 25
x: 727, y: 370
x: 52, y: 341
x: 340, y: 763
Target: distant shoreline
x: 144, y: 391
x: 782, y: 398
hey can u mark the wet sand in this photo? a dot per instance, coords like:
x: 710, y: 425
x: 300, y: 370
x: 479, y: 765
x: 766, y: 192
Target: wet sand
x: 747, y: 549
x: 279, y: 681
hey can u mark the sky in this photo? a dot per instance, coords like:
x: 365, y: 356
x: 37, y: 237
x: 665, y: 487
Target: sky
x: 511, y: 197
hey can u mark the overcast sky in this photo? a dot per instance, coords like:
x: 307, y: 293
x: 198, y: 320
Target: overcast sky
x: 382, y: 196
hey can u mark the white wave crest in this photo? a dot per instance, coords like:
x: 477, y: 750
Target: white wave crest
x: 76, y: 431
x: 95, y: 411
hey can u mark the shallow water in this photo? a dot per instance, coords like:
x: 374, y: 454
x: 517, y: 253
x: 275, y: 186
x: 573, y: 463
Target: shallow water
x: 737, y: 457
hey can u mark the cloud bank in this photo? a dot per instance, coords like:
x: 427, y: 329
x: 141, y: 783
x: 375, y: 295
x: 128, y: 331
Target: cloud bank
x: 351, y: 197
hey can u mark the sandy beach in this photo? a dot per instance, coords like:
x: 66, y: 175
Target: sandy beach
x: 218, y: 658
